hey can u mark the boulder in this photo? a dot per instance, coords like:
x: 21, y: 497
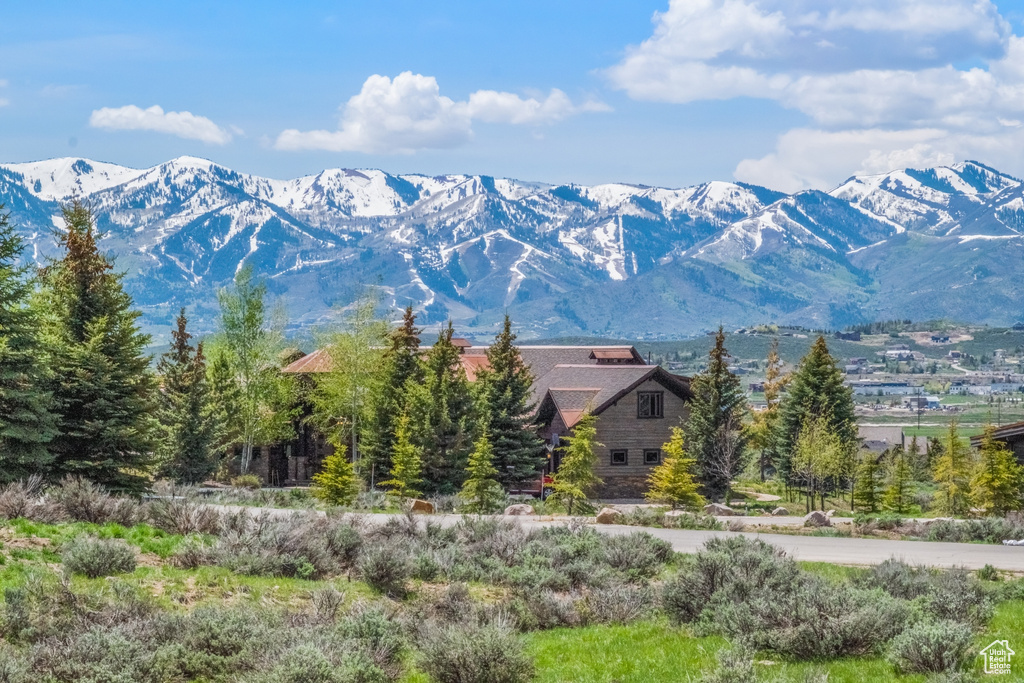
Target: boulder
x: 719, y: 510
x: 609, y: 516
x: 817, y: 518
x: 422, y: 506
x: 780, y: 512
x: 830, y: 514
x: 518, y: 510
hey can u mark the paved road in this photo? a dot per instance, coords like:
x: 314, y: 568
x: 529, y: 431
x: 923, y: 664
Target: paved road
x: 853, y: 551
x: 848, y: 551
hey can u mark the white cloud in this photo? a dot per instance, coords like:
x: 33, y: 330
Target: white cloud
x: 409, y: 113
x: 181, y: 123
x: 876, y: 78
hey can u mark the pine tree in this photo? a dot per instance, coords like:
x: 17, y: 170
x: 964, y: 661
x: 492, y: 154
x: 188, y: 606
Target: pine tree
x: 919, y: 467
x: 764, y: 427
x: 224, y: 399
x: 481, y: 491
x: 998, y: 482
x: 952, y: 474
x: 716, y: 417
x: 506, y: 390
x: 442, y: 412
x: 252, y: 346
x: 103, y: 391
x: 401, y: 364
x: 867, y: 491
x: 189, y: 423
x: 898, y: 475
x: 406, y: 462
x: 26, y: 424
x: 673, y: 481
x: 336, y: 483
x: 816, y: 389
x: 575, y: 479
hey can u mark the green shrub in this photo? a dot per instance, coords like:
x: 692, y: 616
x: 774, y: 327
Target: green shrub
x: 989, y: 573
x: 176, y: 512
x: 386, y: 568
x: 85, y: 501
x: 735, y: 665
x: 619, y: 604
x: 932, y: 646
x: 95, y: 557
x: 539, y: 610
x: 639, y: 555
x: 374, y: 630
x: 246, y: 481
x: 481, y: 654
x: 957, y: 596
x: 898, y: 579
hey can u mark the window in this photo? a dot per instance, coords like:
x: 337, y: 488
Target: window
x: 620, y: 457
x: 652, y: 456
x: 650, y: 404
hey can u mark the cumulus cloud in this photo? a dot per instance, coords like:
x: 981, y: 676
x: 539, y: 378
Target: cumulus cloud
x: 409, y: 113
x: 181, y: 123
x: 878, y: 79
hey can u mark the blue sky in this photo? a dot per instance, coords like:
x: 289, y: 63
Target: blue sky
x: 790, y: 94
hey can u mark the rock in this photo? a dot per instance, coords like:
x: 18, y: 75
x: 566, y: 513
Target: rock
x: 518, y: 510
x: 719, y: 510
x: 830, y: 514
x: 676, y: 513
x: 608, y: 516
x: 422, y: 506
x: 817, y: 518
x: 780, y: 512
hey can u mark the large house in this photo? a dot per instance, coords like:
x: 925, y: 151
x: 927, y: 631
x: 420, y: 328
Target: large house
x: 1010, y: 434
x: 636, y: 404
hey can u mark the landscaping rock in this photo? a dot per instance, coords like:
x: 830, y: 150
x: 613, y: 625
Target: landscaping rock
x: 830, y: 514
x: 609, y: 516
x: 817, y: 518
x: 422, y: 506
x: 719, y: 510
x: 519, y: 509
x: 780, y: 512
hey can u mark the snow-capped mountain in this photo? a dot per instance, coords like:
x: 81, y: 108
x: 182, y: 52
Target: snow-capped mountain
x: 607, y: 259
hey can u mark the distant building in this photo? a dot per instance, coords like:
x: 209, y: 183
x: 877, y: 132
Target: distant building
x: 848, y: 336
x: 756, y: 387
x: 878, y: 439
x: 955, y: 355
x: 869, y: 388
x: 940, y: 339
x: 923, y: 403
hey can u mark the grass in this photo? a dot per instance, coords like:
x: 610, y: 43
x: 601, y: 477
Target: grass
x: 144, y: 537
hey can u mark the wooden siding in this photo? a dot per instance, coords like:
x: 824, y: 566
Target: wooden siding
x: 619, y: 428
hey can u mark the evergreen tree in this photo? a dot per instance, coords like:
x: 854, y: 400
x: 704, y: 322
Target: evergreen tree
x: 336, y: 483
x: 103, y: 391
x: 224, y: 399
x: 919, y: 466
x: 998, y: 482
x: 481, y: 491
x: 406, y: 462
x: 673, y: 481
x: 442, y: 411
x: 716, y: 417
x: 401, y: 364
x: 764, y: 427
x: 952, y: 474
x: 506, y: 389
x: 816, y: 389
x: 251, y: 346
x: 26, y: 424
x: 575, y: 479
x: 189, y: 423
x: 898, y: 475
x: 867, y: 491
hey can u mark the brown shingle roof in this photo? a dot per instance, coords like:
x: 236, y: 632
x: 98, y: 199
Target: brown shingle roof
x: 610, y: 381
x: 318, y: 361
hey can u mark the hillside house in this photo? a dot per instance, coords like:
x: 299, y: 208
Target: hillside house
x: 637, y: 405
x: 1010, y: 434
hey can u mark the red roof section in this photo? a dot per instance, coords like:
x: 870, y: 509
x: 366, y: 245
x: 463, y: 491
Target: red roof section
x: 318, y: 361
x: 473, y: 365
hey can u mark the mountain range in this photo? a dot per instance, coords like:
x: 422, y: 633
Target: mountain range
x: 613, y: 260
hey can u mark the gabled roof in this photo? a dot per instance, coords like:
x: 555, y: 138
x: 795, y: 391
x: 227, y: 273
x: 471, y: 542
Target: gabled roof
x: 571, y: 389
x: 318, y: 361
x: 1007, y: 431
